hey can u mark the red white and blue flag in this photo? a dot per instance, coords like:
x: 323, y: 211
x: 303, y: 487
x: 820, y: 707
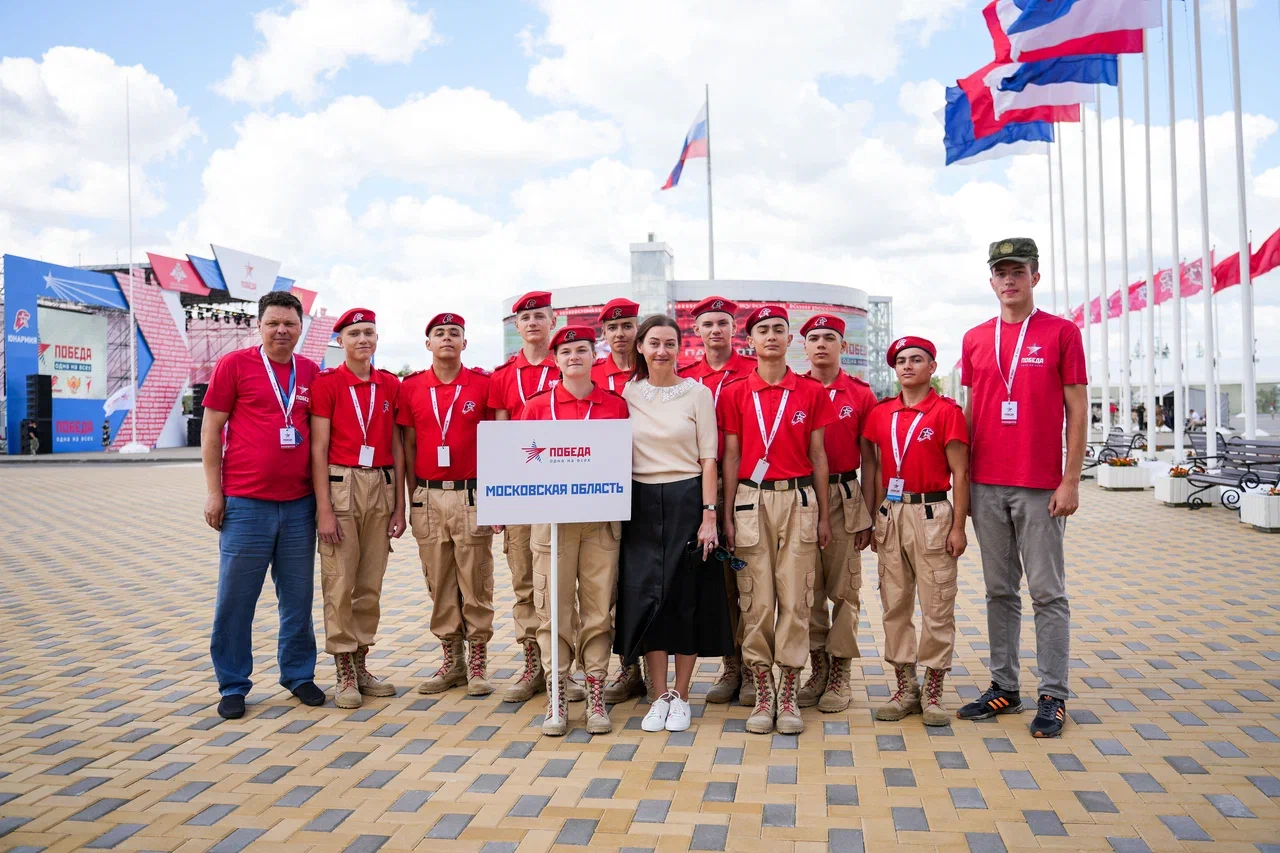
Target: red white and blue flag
x: 695, y: 145
x: 1031, y: 30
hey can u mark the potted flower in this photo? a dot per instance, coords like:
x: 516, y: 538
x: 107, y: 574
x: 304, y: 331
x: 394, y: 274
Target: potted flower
x: 1261, y: 509
x: 1173, y: 488
x: 1122, y: 474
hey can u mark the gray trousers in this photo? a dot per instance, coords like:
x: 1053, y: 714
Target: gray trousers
x: 1017, y: 534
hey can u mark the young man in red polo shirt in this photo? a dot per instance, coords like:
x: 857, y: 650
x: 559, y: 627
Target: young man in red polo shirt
x: 721, y: 365
x: 527, y: 373
x: 357, y: 466
x: 588, y: 559
x: 919, y: 442
x: 255, y: 444
x: 618, y: 319
x: 774, y: 422
x: 1027, y: 376
x: 833, y: 637
x: 441, y: 409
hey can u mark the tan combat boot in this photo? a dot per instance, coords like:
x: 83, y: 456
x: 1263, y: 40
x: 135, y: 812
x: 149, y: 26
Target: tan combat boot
x: 811, y: 692
x: 747, y: 695
x: 789, y: 720
x: 626, y: 682
x: 346, y: 693
x: 370, y: 684
x: 532, y: 681
x: 452, y: 671
x: 478, y: 671
x: 598, y: 722
x: 934, y: 714
x: 573, y: 690
x: 552, y: 727
x: 906, y: 700
x: 761, y: 720
x: 726, y: 686
x: 839, y: 691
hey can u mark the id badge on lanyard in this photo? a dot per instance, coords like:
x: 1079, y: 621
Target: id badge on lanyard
x: 289, y: 435
x: 442, y: 452
x: 366, y: 449
x: 1009, y: 408
x: 898, y: 484
x: 762, y: 467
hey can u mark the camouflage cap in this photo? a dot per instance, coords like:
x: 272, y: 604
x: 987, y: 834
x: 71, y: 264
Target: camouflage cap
x: 1020, y: 249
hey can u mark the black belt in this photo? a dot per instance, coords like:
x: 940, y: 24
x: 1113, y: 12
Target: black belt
x: 779, y: 485
x: 448, y: 485
x: 925, y: 498
x: 846, y: 477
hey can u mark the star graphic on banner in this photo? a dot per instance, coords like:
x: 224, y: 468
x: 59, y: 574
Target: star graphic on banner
x: 1032, y: 349
x: 248, y: 271
x: 533, y: 453
x: 49, y: 280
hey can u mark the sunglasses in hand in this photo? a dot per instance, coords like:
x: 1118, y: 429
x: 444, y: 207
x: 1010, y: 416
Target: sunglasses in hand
x: 720, y: 553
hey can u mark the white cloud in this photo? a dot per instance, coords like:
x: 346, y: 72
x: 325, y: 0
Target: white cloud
x: 317, y: 38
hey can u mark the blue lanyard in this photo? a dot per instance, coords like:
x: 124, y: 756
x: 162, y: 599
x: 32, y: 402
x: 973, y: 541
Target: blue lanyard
x: 286, y: 401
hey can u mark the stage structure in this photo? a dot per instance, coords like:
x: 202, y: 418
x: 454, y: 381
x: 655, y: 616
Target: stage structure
x: 654, y: 286
x: 67, y: 330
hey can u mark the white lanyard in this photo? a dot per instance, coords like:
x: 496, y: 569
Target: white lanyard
x: 612, y: 376
x: 777, y: 420
x: 520, y: 385
x: 1013, y: 368
x: 364, y: 426
x: 286, y: 407
x: 590, y: 406
x: 900, y: 454
x: 448, y: 415
x: 833, y: 394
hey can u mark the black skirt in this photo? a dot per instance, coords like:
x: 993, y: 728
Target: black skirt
x: 668, y: 599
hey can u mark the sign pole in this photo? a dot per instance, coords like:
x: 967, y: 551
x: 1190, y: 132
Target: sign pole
x: 1179, y: 401
x: 1206, y: 258
x: 553, y: 591
x: 133, y: 446
x: 1152, y: 395
x: 1248, y: 385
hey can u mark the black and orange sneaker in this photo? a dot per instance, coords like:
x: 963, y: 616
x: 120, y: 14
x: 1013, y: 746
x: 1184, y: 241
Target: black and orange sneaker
x: 1051, y: 716
x: 995, y: 701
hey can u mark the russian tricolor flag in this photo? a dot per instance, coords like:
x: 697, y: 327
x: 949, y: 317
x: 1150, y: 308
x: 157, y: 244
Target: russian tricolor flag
x: 1031, y: 30
x: 695, y: 145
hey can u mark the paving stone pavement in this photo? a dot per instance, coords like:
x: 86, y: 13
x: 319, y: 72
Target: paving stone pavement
x: 109, y: 738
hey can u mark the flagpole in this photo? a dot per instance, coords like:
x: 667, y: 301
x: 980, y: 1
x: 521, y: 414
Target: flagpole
x: 1248, y: 379
x: 1149, y: 318
x: 1104, y: 296
x: 1084, y: 194
x: 1176, y: 273
x: 133, y: 446
x: 1126, y: 380
x: 1206, y: 260
x: 1053, y: 231
x: 1062, y: 219
x: 711, y: 234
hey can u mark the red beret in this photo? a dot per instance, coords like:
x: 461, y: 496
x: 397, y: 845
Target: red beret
x: 766, y: 312
x: 573, y: 334
x: 355, y: 315
x: 907, y: 343
x: 619, y: 309
x: 446, y: 320
x: 532, y: 300
x: 823, y: 321
x: 715, y: 303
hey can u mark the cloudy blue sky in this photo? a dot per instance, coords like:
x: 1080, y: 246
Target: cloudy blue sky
x: 416, y: 157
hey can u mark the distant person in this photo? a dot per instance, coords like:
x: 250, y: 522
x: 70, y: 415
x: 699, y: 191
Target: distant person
x: 1141, y: 413
x: 33, y: 440
x: 260, y: 499
x: 357, y: 468
x: 670, y: 601
x: 1027, y: 376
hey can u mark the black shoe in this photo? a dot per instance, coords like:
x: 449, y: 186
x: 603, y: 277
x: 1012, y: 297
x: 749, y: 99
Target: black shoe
x: 995, y: 701
x: 309, y: 694
x: 1051, y: 716
x: 231, y: 706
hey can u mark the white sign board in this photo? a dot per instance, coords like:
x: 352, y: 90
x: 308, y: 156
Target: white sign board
x: 248, y: 277
x: 543, y: 472
x: 73, y: 350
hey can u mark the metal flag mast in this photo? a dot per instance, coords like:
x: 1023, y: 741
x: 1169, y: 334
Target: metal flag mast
x: 1175, y: 273
x: 1104, y: 297
x: 1206, y: 260
x: 1248, y: 379
x: 1126, y: 381
x: 711, y: 234
x: 1084, y: 209
x: 1149, y: 319
x: 1062, y: 218
x: 133, y: 446
x: 1053, y: 232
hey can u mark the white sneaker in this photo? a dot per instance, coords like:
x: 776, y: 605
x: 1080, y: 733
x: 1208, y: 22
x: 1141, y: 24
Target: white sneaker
x: 656, y: 719
x: 679, y: 716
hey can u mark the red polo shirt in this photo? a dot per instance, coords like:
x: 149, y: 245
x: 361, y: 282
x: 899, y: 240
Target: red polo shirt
x: 254, y: 465
x: 852, y: 400
x: 515, y: 383
x: 734, y: 370
x: 471, y: 389
x: 808, y: 409
x: 607, y: 374
x: 330, y: 398
x: 1028, y: 453
x: 600, y: 405
x: 924, y: 464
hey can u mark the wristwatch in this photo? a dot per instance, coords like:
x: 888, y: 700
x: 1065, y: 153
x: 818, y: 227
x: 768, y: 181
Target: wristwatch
x: 709, y: 507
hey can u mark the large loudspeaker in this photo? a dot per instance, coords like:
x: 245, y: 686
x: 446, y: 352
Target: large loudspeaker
x: 44, y: 433
x: 39, y: 397
x: 197, y: 400
x: 193, y: 431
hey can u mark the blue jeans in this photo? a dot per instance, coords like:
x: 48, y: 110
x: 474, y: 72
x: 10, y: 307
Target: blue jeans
x: 258, y: 534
